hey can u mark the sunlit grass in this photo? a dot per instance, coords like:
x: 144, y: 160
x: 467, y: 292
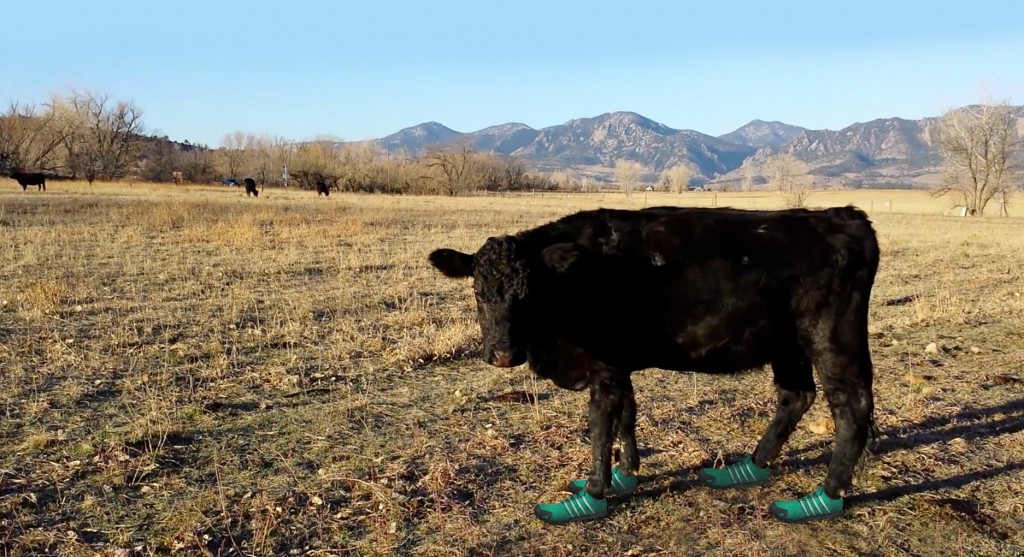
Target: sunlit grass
x: 198, y: 372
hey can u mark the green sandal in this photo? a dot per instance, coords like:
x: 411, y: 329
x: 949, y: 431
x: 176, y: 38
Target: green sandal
x: 577, y: 508
x: 737, y: 475
x: 816, y: 506
x: 621, y: 484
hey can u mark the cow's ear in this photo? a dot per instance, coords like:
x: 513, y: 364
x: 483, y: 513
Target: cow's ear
x: 451, y: 263
x: 560, y: 256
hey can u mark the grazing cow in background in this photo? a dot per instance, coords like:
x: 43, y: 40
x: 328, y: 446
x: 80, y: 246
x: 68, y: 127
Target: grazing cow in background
x: 26, y: 179
x: 323, y: 188
x: 250, y: 187
x: 592, y: 297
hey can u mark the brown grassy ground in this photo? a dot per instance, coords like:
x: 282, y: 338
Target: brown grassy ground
x: 198, y: 373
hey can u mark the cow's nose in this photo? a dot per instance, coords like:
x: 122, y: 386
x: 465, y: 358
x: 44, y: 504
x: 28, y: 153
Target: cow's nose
x: 501, y: 358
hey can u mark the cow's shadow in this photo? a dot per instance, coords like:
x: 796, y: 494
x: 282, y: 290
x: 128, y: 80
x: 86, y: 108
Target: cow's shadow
x: 934, y: 429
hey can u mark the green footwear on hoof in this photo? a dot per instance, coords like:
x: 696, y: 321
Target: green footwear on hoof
x: 577, y: 508
x: 816, y: 506
x: 621, y: 484
x: 740, y: 474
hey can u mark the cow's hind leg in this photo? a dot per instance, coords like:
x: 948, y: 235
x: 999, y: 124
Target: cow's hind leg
x: 629, y: 456
x: 843, y: 360
x: 847, y: 385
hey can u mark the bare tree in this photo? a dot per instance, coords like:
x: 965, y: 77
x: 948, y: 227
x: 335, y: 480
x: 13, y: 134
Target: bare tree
x: 677, y: 178
x: 560, y: 180
x: 30, y: 139
x: 358, y: 166
x: 627, y: 175
x: 233, y: 154
x: 198, y: 165
x: 452, y: 168
x: 588, y: 185
x: 981, y: 146
x: 256, y: 162
x: 315, y: 162
x: 106, y: 134
x: 410, y: 176
x: 515, y: 174
x: 786, y: 173
x: 282, y: 153
x: 159, y: 159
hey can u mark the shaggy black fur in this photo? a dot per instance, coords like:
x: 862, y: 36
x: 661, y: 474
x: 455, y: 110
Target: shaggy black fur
x: 592, y: 297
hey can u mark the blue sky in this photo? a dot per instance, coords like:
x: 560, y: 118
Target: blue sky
x: 303, y: 68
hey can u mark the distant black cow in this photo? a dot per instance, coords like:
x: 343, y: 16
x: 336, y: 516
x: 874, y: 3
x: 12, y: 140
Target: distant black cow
x: 323, y: 188
x: 27, y: 179
x: 250, y: 187
x: 588, y: 299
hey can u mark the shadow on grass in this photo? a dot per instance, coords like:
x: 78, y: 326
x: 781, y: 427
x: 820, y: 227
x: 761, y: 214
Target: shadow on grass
x: 934, y: 429
x: 897, y: 491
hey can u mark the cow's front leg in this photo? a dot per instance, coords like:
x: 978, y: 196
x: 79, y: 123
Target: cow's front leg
x: 623, y: 477
x: 607, y: 394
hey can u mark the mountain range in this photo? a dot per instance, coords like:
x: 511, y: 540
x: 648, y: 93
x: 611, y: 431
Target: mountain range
x: 887, y: 152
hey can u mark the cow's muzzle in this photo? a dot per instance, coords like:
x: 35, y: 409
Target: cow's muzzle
x: 504, y: 358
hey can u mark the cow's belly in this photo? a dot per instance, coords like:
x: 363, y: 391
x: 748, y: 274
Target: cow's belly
x: 710, y: 339
x: 691, y: 351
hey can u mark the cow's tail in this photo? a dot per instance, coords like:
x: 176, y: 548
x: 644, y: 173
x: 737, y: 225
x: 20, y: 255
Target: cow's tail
x: 858, y: 264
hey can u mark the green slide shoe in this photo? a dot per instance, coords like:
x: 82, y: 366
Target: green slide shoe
x: 816, y: 506
x: 737, y: 475
x: 621, y: 484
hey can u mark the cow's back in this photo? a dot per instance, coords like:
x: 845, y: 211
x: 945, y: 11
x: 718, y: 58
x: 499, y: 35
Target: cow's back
x: 29, y: 178
x: 707, y: 289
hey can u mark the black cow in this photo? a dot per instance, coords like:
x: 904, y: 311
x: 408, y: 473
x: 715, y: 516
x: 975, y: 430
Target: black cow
x: 590, y: 298
x: 250, y: 187
x: 27, y: 179
x: 323, y: 188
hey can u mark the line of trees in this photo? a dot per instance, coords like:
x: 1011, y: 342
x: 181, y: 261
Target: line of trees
x: 361, y: 167
x: 90, y: 136
x: 85, y: 135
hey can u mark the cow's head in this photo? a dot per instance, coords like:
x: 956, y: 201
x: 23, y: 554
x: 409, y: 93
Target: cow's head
x: 499, y: 274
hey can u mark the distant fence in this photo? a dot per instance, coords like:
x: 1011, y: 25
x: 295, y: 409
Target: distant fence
x: 635, y: 197
x: 874, y: 202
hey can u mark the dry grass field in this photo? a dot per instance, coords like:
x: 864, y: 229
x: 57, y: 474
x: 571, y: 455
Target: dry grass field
x: 188, y: 371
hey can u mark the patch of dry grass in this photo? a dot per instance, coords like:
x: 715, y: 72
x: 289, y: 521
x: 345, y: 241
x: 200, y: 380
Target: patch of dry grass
x: 199, y: 373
